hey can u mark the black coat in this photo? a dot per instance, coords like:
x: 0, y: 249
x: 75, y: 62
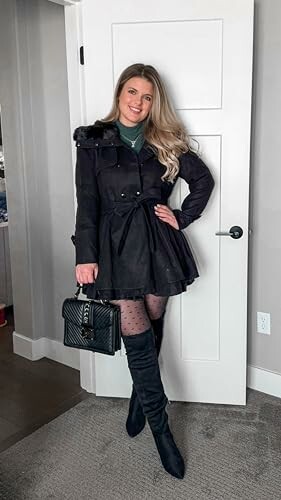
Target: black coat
x: 115, y: 222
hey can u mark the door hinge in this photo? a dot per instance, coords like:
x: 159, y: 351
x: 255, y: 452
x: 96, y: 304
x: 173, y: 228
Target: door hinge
x: 81, y: 54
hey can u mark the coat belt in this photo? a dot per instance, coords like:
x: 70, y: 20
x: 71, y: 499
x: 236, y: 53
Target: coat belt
x: 128, y: 209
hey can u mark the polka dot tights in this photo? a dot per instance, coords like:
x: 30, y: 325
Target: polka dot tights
x: 136, y: 314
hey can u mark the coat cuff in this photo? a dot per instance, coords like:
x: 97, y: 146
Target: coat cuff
x: 85, y: 249
x: 183, y: 219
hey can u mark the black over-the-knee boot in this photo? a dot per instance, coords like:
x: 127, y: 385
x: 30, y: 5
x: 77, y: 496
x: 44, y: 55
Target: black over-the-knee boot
x: 144, y: 368
x: 136, y: 419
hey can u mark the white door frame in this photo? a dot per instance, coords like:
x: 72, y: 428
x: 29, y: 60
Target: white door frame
x: 75, y: 74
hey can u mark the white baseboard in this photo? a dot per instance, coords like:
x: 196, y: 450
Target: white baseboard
x: 257, y: 378
x: 46, y: 348
x: 87, y: 371
x: 264, y: 381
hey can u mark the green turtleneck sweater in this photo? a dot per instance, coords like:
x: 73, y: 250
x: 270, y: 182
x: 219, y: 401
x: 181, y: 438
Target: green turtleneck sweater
x: 128, y: 134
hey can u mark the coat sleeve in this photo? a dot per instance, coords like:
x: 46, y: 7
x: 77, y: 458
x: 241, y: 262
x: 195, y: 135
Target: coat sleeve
x: 88, y: 207
x: 194, y: 171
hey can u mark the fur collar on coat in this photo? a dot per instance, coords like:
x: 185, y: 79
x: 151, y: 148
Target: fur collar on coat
x: 107, y: 131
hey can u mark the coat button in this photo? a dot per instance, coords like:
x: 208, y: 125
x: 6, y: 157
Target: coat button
x: 123, y: 195
x: 118, y: 166
x: 137, y: 193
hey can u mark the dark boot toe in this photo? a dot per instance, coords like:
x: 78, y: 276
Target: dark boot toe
x: 170, y: 456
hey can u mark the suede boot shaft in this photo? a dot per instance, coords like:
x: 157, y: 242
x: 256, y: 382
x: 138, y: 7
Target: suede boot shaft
x: 136, y: 418
x: 144, y: 368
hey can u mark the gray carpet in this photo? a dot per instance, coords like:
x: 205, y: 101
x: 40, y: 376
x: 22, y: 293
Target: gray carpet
x: 231, y: 452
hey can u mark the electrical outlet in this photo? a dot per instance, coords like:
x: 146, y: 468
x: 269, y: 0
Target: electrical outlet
x: 263, y: 323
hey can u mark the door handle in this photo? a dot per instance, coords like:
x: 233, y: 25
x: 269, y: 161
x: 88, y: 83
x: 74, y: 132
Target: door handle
x: 235, y: 232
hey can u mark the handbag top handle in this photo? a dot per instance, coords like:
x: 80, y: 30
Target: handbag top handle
x: 79, y: 288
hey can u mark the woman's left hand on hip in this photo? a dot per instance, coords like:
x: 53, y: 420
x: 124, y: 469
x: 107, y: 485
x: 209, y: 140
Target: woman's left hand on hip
x: 165, y: 214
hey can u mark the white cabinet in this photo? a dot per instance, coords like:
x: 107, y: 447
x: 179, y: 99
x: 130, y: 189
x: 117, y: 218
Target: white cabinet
x: 6, y: 294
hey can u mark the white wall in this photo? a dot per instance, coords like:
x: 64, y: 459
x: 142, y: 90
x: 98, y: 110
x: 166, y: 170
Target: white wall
x: 265, y: 215
x: 52, y: 168
x: 40, y: 174
x: 15, y: 169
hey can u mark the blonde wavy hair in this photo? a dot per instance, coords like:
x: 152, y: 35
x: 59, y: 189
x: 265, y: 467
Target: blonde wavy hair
x: 162, y: 128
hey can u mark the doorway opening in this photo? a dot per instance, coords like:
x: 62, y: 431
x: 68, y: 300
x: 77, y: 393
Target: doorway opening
x: 6, y: 293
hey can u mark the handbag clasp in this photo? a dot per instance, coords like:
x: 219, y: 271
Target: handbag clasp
x: 87, y: 332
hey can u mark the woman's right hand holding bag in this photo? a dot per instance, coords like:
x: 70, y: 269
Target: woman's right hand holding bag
x: 86, y: 273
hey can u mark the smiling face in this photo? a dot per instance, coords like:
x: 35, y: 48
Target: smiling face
x: 135, y: 101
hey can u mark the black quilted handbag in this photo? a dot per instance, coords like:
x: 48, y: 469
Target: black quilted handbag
x: 92, y: 325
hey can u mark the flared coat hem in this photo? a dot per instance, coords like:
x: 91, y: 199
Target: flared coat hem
x: 166, y: 290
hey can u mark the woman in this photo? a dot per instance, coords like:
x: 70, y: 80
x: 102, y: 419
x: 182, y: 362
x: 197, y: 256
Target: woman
x: 129, y: 245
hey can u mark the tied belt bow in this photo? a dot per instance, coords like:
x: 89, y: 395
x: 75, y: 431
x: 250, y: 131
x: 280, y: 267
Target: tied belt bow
x: 127, y: 209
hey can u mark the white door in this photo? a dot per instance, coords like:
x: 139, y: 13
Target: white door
x: 203, y: 49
